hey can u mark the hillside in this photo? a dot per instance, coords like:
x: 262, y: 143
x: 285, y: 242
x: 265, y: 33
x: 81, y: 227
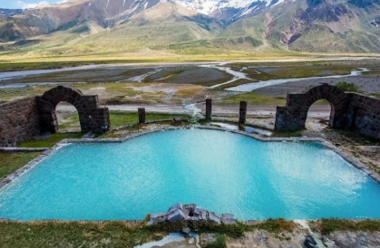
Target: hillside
x: 193, y: 27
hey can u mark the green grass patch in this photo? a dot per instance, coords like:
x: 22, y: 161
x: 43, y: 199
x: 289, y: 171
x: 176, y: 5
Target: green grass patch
x: 253, y: 99
x: 349, y: 87
x: 119, y: 118
x: 117, y: 233
x: 327, y: 226
x: 11, y: 162
x: 219, y: 242
x: 287, y: 134
x: 377, y: 95
x: 51, y: 140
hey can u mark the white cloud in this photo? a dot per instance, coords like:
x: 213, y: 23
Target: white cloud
x: 63, y: 1
x: 24, y: 5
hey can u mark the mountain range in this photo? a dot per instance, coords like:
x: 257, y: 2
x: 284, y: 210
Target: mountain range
x: 193, y: 26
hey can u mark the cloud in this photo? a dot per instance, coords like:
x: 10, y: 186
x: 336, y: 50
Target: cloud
x: 63, y: 1
x: 24, y: 5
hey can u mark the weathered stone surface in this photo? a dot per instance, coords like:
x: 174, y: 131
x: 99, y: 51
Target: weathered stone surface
x: 91, y: 117
x: 200, y: 214
x: 208, y: 109
x: 228, y: 219
x: 349, y: 111
x: 22, y: 119
x: 176, y: 215
x: 19, y: 121
x: 190, y: 212
x: 213, y: 218
x: 186, y: 230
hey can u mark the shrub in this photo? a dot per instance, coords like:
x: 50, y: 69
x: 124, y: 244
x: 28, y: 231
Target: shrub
x: 348, y: 87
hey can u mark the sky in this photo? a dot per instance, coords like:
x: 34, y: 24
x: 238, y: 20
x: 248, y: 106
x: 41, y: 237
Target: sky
x: 25, y: 4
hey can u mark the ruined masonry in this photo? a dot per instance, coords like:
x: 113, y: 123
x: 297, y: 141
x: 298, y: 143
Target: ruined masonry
x: 22, y: 119
x: 190, y: 212
x: 349, y: 111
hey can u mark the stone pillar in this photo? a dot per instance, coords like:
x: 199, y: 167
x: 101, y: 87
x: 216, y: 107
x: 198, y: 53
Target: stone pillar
x: 141, y: 115
x: 208, y: 109
x: 242, y: 112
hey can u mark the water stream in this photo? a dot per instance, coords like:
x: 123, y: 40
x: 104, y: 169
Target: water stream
x: 261, y: 84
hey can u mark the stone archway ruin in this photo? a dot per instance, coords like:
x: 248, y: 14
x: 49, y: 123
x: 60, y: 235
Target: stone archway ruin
x: 349, y: 111
x: 91, y: 117
x: 293, y: 116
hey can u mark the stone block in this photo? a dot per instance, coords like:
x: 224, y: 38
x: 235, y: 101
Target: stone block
x: 176, y: 215
x: 213, y: 218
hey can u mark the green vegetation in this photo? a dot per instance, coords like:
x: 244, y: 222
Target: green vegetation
x: 287, y: 134
x: 115, y: 233
x: 326, y: 226
x: 253, y: 98
x: 349, y: 87
x: 118, y: 118
x: 219, y: 242
x: 57, y: 64
x: 377, y: 95
x: 259, y: 71
x: 11, y: 162
x: 51, y: 140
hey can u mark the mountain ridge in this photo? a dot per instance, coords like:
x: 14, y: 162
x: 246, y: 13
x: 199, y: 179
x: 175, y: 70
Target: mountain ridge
x: 199, y: 25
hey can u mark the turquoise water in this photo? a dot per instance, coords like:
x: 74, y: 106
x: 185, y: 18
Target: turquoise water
x: 220, y: 171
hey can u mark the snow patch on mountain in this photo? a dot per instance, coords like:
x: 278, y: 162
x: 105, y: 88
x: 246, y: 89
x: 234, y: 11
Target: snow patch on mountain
x: 207, y: 7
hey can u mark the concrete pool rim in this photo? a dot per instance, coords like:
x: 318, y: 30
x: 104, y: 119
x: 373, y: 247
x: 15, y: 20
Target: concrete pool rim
x: 48, y: 152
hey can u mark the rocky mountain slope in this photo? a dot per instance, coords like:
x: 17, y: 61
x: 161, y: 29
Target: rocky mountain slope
x: 196, y: 26
x: 9, y: 12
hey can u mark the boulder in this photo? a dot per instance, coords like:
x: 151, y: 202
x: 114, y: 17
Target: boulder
x: 200, y: 214
x: 310, y: 242
x: 175, y: 207
x: 186, y: 230
x: 228, y: 219
x: 213, y: 218
x: 176, y: 215
x: 157, y: 218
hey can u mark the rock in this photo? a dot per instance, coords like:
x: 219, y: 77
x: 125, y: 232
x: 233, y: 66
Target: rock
x: 207, y: 238
x: 213, y: 218
x: 310, y: 242
x: 228, y: 219
x: 186, y: 230
x: 176, y: 215
x: 190, y: 212
x: 175, y: 207
x: 157, y: 218
x: 200, y: 214
x: 188, y: 209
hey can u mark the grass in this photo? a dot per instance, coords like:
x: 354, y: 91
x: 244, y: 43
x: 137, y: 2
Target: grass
x: 326, y: 226
x: 290, y: 70
x: 51, y: 140
x: 348, y: 87
x: 114, y: 233
x: 119, y: 118
x: 219, y: 242
x: 11, y: 162
x: 253, y: 99
x: 287, y: 134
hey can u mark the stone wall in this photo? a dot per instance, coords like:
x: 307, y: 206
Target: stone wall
x: 91, y: 116
x: 349, y: 111
x: 19, y: 121
x: 364, y: 115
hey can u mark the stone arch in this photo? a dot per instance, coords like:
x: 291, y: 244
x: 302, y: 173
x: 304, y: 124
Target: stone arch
x: 293, y: 116
x: 91, y: 116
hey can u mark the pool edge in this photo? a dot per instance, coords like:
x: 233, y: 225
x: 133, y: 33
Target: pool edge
x: 33, y: 163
